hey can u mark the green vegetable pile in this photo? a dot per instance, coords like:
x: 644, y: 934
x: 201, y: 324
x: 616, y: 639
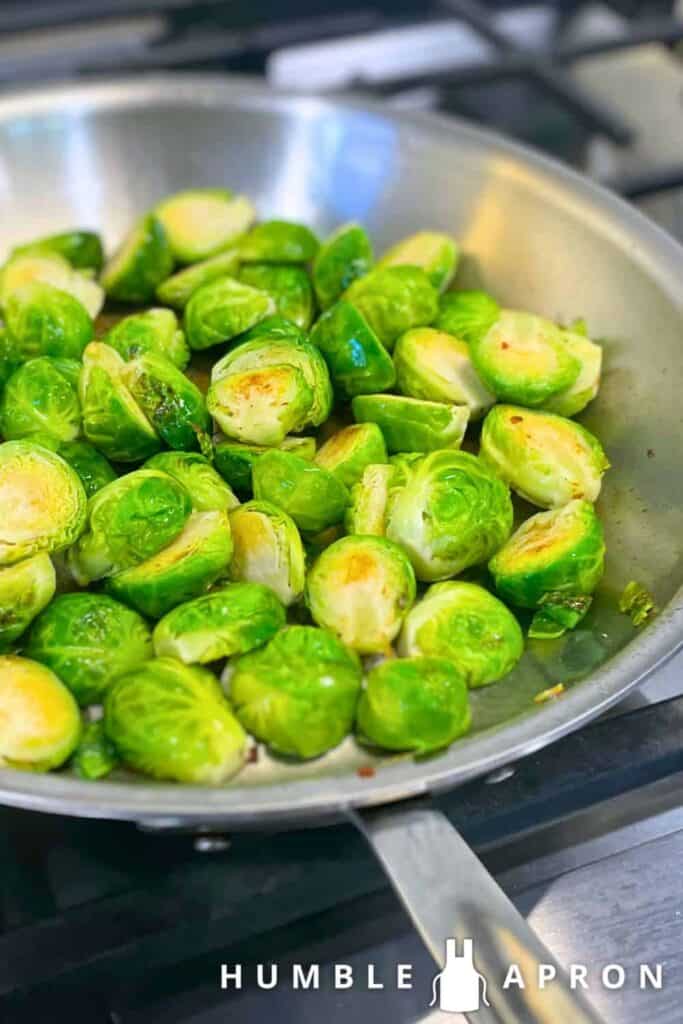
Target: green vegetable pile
x: 289, y: 463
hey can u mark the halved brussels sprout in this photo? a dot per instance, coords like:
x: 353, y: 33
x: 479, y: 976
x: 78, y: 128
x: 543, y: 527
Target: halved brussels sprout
x: 260, y: 405
x: 89, y: 640
x: 436, y: 366
x: 171, y: 721
x: 278, y: 241
x: 82, y: 249
x: 361, y: 589
x: 235, y: 461
x: 468, y: 315
x: 42, y: 502
x: 367, y: 513
x: 202, y: 221
x: 25, y: 589
x: 412, y: 424
x: 394, y: 299
x: 92, y: 468
x: 95, y: 756
x: 40, y: 725
x: 313, y: 497
x: 142, y: 261
x: 436, y: 253
x: 178, y: 289
x: 289, y: 287
x: 469, y: 626
x: 207, y: 489
x: 156, y: 331
x: 343, y: 257
x: 40, y: 401
x: 171, y: 402
x: 129, y: 520
x: 524, y: 359
x: 44, y: 321
x: 545, y: 458
x: 234, y: 619
x: 184, y: 569
x: 350, y: 450
x: 298, y: 694
x: 452, y: 512
x: 50, y: 269
x: 222, y: 309
x: 268, y: 550
x: 584, y: 389
x: 418, y: 704
x: 112, y: 420
x: 357, y: 360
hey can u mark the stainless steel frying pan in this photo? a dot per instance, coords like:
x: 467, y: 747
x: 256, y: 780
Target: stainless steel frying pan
x: 539, y: 237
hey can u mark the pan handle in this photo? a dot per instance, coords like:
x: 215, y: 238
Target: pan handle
x: 448, y: 893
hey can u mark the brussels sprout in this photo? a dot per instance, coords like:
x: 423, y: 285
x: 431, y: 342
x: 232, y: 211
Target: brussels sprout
x: 278, y: 241
x: 235, y: 461
x: 584, y: 389
x: 289, y: 287
x: 95, y: 755
x: 143, y: 260
x: 156, y: 331
x: 201, y: 222
x: 40, y: 401
x: 418, y: 704
x: 92, y: 468
x: 44, y: 321
x: 268, y: 550
x: 207, y: 489
x: 231, y: 620
x: 82, y: 249
x: 361, y: 589
x: 260, y: 405
x: 129, y: 520
x: 451, y: 513
x: 25, y: 589
x: 467, y: 315
x: 172, y: 721
x: 298, y: 694
x: 112, y: 420
x: 367, y: 513
x: 274, y: 327
x: 467, y: 625
x: 171, y: 402
x: 177, y: 290
x: 40, y: 725
x: 436, y: 253
x: 89, y: 640
x: 394, y: 299
x: 222, y: 309
x: 545, y: 458
x: 313, y: 497
x: 436, y: 366
x: 50, y: 269
x: 343, y: 257
x: 184, y: 569
x: 349, y: 451
x: 412, y: 424
x: 42, y: 502
x: 358, y: 362
x: 524, y: 359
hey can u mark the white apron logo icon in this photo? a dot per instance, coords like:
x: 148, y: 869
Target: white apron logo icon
x: 461, y: 986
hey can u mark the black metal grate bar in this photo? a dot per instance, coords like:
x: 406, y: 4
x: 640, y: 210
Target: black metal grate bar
x: 640, y: 186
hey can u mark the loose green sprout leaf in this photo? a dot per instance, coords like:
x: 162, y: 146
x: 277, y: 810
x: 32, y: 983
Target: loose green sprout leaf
x: 201, y: 222
x: 584, y: 389
x: 222, y: 309
x: 393, y: 300
x: 544, y: 627
x: 638, y: 602
x: 278, y: 241
x: 207, y: 489
x: 141, y: 263
x: 367, y: 513
x: 313, y: 497
x: 172, y: 721
x: 268, y: 550
x: 343, y: 257
x: 95, y: 755
x: 25, y: 589
x: 44, y: 321
x: 155, y: 331
x: 412, y: 424
x: 349, y: 451
x: 563, y: 611
x: 547, y: 459
x: 40, y: 725
x: 50, y: 269
x: 361, y: 589
x: 177, y: 290
x: 42, y: 502
x: 467, y: 625
x: 40, y: 401
x: 82, y: 249
x: 235, y: 461
x: 418, y: 704
x: 298, y: 694
x: 451, y: 513
x: 92, y: 468
x: 289, y: 287
x: 171, y: 402
x: 468, y: 315
x: 436, y: 253
x: 89, y: 640
x: 358, y: 362
x: 436, y: 366
x: 234, y: 619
